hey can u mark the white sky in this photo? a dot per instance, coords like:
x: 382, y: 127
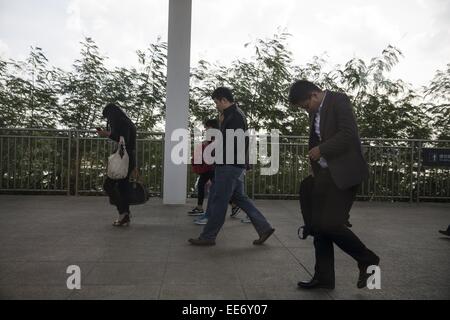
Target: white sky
x: 220, y: 28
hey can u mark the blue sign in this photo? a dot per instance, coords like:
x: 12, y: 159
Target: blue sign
x: 436, y: 157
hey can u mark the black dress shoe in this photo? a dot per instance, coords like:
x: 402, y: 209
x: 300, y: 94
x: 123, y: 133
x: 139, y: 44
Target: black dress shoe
x: 363, y: 275
x: 202, y: 242
x: 263, y: 237
x: 315, y: 284
x: 445, y: 232
x: 125, y: 221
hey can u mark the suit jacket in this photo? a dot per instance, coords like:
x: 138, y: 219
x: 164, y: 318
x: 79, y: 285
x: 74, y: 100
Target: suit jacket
x: 339, y: 142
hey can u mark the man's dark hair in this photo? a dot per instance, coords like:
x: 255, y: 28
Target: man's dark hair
x: 301, y: 90
x: 212, y: 123
x: 221, y: 93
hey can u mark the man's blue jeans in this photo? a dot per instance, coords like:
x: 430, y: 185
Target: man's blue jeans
x: 229, y: 183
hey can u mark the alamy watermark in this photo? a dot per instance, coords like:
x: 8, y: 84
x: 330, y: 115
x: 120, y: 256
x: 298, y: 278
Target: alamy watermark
x: 374, y: 281
x: 74, y: 280
x: 241, y: 147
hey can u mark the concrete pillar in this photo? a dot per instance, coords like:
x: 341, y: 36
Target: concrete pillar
x: 177, y: 102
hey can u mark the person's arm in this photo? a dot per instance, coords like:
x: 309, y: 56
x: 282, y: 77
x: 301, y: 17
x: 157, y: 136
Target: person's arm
x: 103, y: 133
x: 198, y: 154
x: 121, y: 129
x: 115, y: 133
x: 346, y: 130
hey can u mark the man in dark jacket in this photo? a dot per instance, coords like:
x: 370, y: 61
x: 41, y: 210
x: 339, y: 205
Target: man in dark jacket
x: 229, y: 174
x: 339, y: 167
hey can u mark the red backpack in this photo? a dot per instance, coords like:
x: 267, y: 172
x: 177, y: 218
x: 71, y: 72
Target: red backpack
x: 203, y: 167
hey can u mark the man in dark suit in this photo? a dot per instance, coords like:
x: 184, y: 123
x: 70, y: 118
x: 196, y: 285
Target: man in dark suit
x: 338, y: 167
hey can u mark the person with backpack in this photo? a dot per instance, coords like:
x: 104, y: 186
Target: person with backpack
x: 204, y: 170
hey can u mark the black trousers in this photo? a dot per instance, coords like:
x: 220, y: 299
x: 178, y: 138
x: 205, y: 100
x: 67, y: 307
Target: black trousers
x: 202, y: 181
x: 330, y: 208
x: 118, y: 190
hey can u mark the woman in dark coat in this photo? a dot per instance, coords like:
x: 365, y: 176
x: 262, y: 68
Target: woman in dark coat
x: 117, y: 190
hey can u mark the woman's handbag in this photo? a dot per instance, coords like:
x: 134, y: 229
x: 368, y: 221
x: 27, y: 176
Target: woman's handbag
x: 118, y: 162
x: 138, y: 193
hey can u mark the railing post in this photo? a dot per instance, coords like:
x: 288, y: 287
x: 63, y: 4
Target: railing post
x: 162, y: 165
x: 77, y: 167
x: 419, y: 168
x: 253, y: 182
x: 1, y: 162
x: 411, y: 173
x: 69, y: 162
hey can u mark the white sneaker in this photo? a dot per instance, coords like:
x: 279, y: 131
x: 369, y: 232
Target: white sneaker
x: 246, y: 220
x: 196, y: 212
x: 234, y: 211
x: 201, y: 221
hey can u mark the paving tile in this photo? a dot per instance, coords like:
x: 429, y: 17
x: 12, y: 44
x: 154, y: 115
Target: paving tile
x: 153, y: 260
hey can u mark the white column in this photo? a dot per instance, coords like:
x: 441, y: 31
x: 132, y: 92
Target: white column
x: 177, y: 102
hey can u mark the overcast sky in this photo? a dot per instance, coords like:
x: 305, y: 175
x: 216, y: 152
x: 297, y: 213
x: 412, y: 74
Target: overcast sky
x: 342, y: 29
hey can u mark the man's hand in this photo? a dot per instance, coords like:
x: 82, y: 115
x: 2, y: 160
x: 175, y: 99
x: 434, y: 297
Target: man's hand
x: 103, y: 133
x: 314, y: 153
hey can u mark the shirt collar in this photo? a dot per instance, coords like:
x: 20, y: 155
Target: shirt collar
x: 321, y: 104
x: 229, y: 109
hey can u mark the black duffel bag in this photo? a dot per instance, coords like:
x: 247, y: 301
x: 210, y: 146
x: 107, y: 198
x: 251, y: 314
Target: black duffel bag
x: 305, y: 193
x: 137, y: 193
x: 306, y: 207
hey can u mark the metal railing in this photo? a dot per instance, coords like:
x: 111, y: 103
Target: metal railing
x: 74, y: 162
